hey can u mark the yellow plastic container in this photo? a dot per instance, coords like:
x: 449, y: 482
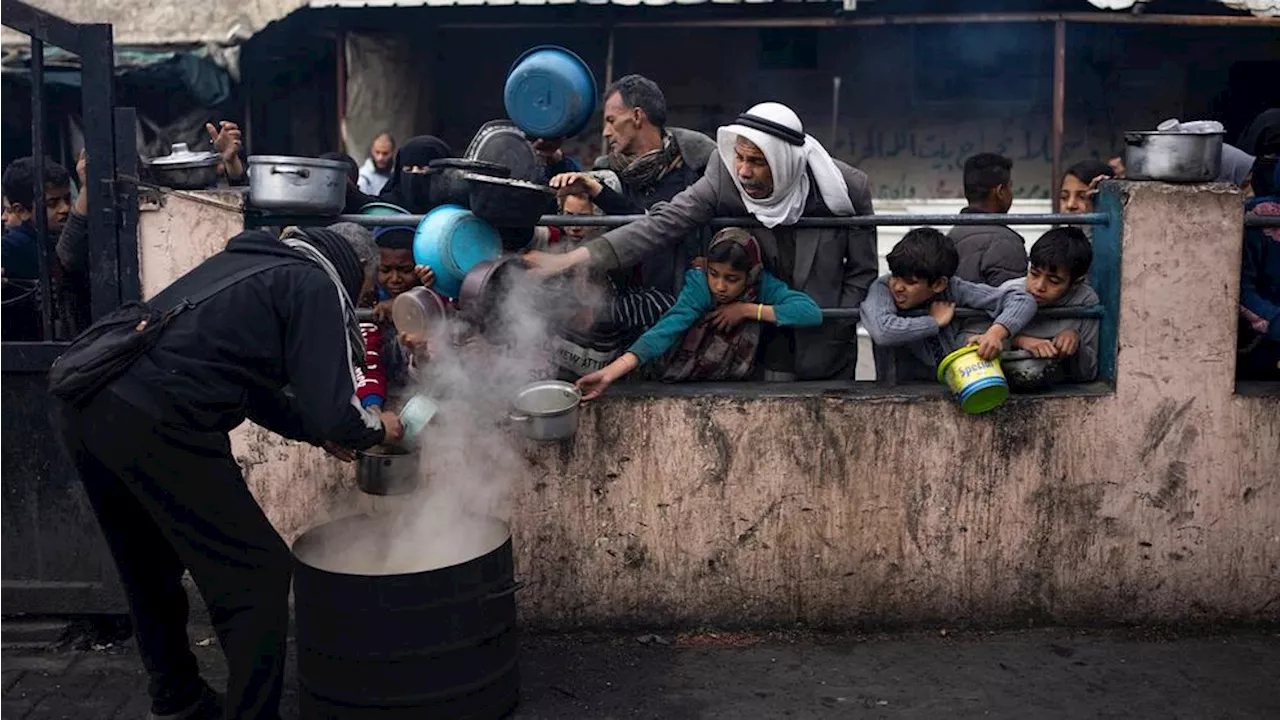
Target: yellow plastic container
x: 978, y: 384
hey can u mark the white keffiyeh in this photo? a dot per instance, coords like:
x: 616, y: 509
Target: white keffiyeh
x: 790, y: 165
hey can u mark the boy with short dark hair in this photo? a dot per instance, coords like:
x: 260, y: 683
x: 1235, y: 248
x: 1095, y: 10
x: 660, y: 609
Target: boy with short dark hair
x: 1058, y: 277
x: 991, y: 254
x: 387, y: 361
x: 20, y: 248
x: 921, y: 277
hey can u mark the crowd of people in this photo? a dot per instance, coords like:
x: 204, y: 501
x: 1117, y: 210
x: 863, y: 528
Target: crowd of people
x: 269, y: 329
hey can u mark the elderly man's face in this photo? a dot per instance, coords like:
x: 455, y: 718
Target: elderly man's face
x: 752, y: 169
x: 383, y: 153
x: 621, y: 125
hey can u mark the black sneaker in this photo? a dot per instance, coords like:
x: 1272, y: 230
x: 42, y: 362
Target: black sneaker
x: 207, y: 707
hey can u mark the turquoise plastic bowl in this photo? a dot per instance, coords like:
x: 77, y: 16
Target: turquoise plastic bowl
x: 381, y: 208
x: 550, y: 92
x: 451, y: 240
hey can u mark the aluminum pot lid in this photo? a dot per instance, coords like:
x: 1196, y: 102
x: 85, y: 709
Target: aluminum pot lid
x: 182, y: 156
x: 502, y: 142
x: 508, y: 182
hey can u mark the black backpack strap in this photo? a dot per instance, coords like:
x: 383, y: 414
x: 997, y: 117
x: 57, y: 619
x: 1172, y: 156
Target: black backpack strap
x: 189, y: 301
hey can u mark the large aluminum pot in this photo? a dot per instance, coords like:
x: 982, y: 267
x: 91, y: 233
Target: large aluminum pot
x: 380, y: 472
x: 297, y: 184
x: 1176, y: 157
x: 548, y: 410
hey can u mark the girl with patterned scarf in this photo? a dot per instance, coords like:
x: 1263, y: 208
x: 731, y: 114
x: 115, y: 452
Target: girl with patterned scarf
x: 713, y: 331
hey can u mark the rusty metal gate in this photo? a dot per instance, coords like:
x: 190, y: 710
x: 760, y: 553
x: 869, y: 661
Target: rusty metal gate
x: 54, y: 558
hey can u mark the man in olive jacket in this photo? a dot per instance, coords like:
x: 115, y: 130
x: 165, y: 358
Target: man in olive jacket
x: 771, y: 170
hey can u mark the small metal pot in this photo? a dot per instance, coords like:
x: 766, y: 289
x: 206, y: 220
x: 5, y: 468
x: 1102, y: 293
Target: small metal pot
x: 547, y: 410
x: 507, y: 203
x: 485, y: 285
x: 1175, y: 157
x: 387, y: 473
x: 297, y: 184
x: 447, y: 184
x: 183, y: 169
x: 1028, y: 373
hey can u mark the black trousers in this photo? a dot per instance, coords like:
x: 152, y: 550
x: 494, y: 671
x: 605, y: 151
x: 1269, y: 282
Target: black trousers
x: 171, y: 499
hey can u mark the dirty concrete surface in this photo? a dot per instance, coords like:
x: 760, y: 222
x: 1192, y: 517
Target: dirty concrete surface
x: 1036, y: 673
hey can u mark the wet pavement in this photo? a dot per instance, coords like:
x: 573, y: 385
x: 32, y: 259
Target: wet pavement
x: 1042, y: 673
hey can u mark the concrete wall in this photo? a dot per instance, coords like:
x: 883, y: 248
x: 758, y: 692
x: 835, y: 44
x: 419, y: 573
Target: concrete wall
x: 775, y: 505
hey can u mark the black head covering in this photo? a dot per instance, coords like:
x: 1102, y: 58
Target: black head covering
x: 410, y: 191
x: 337, y: 250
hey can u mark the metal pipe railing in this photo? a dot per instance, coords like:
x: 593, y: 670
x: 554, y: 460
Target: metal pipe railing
x: 902, y: 220
x: 1092, y: 312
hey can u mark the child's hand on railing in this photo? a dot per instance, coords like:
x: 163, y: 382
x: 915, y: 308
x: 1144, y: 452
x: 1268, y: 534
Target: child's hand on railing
x: 1067, y: 342
x: 1038, y: 347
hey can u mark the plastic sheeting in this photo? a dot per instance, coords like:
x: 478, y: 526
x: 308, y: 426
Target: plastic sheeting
x: 384, y: 90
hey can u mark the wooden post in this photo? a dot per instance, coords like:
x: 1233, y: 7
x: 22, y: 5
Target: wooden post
x: 342, y: 90
x: 608, y: 80
x: 1059, y: 106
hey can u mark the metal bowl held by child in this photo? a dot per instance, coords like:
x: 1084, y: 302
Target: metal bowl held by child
x: 978, y: 384
x: 1028, y: 373
x: 485, y: 286
x: 451, y: 240
x: 183, y: 169
x: 297, y: 184
x: 417, y: 310
x: 547, y: 410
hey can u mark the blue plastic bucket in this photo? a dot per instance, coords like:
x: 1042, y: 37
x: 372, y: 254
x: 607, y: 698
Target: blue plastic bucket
x: 382, y: 208
x: 550, y: 92
x: 451, y: 240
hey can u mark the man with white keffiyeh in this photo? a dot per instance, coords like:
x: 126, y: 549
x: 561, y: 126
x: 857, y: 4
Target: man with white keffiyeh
x: 769, y: 169
x: 264, y: 330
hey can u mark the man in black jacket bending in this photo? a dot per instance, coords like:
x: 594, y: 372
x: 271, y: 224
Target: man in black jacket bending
x: 155, y: 458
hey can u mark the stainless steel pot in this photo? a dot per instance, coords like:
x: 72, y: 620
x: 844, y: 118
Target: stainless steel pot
x: 387, y: 473
x: 1176, y: 157
x: 297, y: 184
x: 548, y: 410
x: 183, y: 169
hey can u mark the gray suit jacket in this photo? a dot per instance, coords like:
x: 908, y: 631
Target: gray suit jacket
x: 834, y: 266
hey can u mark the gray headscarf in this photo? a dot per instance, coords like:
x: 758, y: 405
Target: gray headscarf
x: 1236, y: 165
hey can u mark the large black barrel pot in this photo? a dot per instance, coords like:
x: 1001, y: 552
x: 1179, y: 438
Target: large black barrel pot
x: 439, y: 643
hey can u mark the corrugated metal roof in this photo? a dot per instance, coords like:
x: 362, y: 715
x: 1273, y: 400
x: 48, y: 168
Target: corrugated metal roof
x: 169, y: 23
x: 511, y: 3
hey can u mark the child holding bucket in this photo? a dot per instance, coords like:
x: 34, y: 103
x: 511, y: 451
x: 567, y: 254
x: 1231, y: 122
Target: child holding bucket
x: 921, y: 270
x: 1058, y: 277
x: 713, y: 331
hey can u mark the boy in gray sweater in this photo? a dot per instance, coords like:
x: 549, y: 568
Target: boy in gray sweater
x: 921, y: 277
x: 1058, y: 277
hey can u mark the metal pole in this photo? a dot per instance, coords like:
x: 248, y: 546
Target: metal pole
x: 40, y: 216
x: 608, y: 80
x: 1059, y: 106
x: 835, y: 111
x: 265, y: 220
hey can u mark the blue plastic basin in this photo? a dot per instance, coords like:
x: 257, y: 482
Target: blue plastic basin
x: 451, y: 240
x: 550, y: 92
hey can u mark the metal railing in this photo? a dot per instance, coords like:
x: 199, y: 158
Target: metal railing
x: 902, y: 220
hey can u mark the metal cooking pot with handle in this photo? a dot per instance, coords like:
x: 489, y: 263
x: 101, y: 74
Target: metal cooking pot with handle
x: 548, y: 410
x: 183, y: 169
x: 1176, y: 157
x: 297, y: 184
x: 387, y: 473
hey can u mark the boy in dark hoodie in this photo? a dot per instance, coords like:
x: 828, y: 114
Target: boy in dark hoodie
x: 921, y: 277
x: 20, y: 257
